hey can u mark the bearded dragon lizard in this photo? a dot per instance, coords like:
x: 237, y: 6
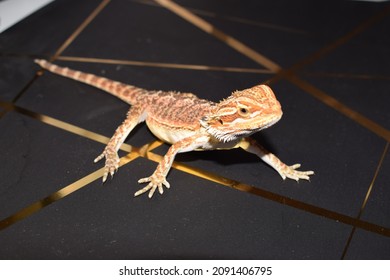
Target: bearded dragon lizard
x: 188, y: 123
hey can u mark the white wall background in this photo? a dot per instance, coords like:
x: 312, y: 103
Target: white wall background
x: 12, y: 11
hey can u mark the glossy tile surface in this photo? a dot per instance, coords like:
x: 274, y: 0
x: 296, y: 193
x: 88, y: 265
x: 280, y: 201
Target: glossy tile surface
x: 333, y: 87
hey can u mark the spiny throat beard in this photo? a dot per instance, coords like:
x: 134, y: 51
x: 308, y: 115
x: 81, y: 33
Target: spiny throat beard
x: 226, y: 134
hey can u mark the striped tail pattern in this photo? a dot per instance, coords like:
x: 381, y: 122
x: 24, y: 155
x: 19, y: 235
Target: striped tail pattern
x: 125, y: 92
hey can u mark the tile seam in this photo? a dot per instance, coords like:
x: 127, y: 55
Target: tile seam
x: 362, y: 208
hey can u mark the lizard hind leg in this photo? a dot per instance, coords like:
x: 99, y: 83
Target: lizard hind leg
x: 284, y: 170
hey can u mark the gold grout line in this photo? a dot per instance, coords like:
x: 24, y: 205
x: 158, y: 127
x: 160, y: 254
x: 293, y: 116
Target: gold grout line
x: 344, y: 253
x: 77, y: 32
x: 4, y: 109
x: 210, y: 29
x: 70, y: 128
x: 27, y: 86
x: 164, y: 65
x: 374, y: 179
x: 341, y: 108
x: 265, y: 25
x: 275, y: 197
x: 346, y: 76
x: 366, y: 199
x: 77, y: 130
x: 321, y: 95
x: 69, y: 189
x: 6, y: 106
x: 337, y: 43
x: 151, y: 64
x: 64, y: 46
x: 232, y: 18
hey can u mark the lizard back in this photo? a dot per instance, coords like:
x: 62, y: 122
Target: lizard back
x: 172, y: 116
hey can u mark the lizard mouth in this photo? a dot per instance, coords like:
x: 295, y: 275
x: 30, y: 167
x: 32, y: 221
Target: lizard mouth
x: 227, y: 134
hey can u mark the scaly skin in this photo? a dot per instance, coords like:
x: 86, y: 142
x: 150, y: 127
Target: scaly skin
x: 189, y: 123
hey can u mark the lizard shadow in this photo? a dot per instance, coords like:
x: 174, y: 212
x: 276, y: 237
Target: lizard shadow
x: 227, y: 157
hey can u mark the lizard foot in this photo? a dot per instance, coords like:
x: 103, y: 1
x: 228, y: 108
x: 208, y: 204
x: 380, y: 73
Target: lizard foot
x: 112, y: 162
x: 292, y: 173
x: 155, y: 181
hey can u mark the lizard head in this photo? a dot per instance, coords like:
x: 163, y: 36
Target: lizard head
x: 243, y: 113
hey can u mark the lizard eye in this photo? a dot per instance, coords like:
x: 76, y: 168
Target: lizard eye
x: 243, y: 111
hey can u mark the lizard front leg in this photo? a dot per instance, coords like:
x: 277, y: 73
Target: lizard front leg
x: 134, y: 116
x: 285, y: 171
x: 158, y: 178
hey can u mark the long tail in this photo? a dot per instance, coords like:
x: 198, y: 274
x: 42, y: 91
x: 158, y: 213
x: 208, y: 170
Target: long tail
x: 124, y: 92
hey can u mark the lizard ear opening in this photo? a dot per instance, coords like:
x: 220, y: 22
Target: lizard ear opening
x: 204, y: 121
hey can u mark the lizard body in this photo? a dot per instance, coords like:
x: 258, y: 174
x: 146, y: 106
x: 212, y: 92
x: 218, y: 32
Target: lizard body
x: 188, y: 123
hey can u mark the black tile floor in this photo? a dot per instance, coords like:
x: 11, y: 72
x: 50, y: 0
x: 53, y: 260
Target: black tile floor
x: 328, y: 63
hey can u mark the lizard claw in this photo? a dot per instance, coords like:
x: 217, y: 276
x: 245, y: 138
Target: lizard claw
x: 112, y: 162
x: 291, y: 172
x: 155, y: 182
